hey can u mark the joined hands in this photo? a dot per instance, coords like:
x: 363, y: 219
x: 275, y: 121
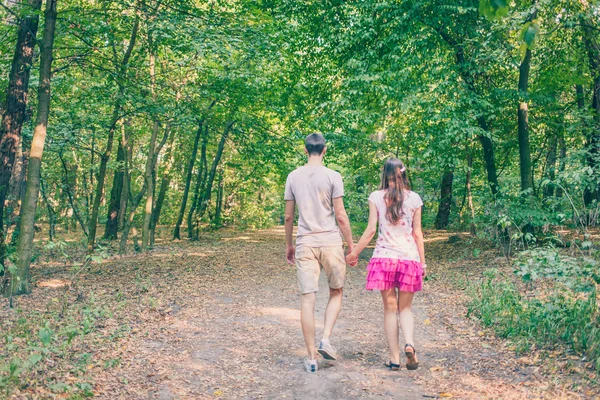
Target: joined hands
x: 351, y: 257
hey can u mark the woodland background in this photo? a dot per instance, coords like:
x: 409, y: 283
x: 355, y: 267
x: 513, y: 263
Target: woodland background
x: 163, y: 119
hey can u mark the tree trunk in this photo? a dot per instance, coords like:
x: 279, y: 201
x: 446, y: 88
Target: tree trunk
x: 17, y: 185
x: 125, y: 180
x: 164, y: 186
x: 442, y: 220
x: 112, y: 218
x: 219, y: 202
x: 200, y: 182
x: 149, y: 177
x: 523, y: 126
x: 67, y: 187
x: 213, y: 170
x: 93, y: 222
x: 15, y: 106
x: 133, y: 205
x: 551, y: 166
x: 188, y: 181
x: 592, y: 44
x: 51, y: 213
x: 27, y: 220
x: 472, y: 226
x: 488, y: 156
x: 134, y: 202
x: 580, y: 97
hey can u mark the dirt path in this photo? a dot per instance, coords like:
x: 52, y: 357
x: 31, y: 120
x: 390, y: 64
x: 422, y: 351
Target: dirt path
x: 222, y: 320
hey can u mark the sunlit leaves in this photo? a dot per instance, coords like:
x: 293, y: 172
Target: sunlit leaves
x: 493, y: 9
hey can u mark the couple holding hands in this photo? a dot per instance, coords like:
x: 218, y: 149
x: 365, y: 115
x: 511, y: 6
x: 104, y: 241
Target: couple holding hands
x: 396, y: 269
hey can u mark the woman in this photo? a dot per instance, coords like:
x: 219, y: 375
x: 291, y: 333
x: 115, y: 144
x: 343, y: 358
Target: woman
x: 397, y: 267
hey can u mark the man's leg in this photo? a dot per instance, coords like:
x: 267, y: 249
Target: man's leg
x: 308, y: 270
x: 307, y: 318
x: 332, y: 311
x: 333, y: 262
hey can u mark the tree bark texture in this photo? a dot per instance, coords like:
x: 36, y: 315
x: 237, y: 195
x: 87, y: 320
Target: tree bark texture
x: 32, y: 190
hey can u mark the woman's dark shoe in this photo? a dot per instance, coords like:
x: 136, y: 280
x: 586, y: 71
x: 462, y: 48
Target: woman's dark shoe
x: 411, y: 357
x: 391, y: 366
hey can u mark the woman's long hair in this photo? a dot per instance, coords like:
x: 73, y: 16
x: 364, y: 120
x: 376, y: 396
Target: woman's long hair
x: 394, y: 181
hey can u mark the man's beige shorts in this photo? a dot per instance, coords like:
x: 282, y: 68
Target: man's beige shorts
x: 310, y: 260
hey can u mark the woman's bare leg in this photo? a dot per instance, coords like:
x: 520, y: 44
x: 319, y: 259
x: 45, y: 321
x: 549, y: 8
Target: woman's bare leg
x: 407, y: 318
x: 390, y: 323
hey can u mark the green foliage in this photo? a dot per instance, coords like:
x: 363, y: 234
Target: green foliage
x: 35, y: 339
x: 536, y: 264
x: 560, y: 317
x: 493, y: 9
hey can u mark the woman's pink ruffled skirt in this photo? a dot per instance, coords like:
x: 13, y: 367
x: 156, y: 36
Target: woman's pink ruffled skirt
x: 388, y: 273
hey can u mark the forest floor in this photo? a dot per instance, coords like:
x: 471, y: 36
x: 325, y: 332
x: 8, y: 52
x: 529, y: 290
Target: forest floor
x: 219, y: 318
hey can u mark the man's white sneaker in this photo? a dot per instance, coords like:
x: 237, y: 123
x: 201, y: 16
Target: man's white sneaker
x: 327, y: 351
x: 311, y: 365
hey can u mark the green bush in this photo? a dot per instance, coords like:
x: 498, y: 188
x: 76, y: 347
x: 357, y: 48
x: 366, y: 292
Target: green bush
x: 563, y: 317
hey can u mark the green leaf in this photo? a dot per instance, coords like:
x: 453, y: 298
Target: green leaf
x: 33, y: 359
x: 493, y: 9
x: 45, y: 335
x: 59, y: 387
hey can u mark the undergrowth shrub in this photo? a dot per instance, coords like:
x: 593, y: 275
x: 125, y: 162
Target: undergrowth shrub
x: 558, y: 315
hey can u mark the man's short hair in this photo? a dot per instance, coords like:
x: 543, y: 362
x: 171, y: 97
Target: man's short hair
x: 315, y: 144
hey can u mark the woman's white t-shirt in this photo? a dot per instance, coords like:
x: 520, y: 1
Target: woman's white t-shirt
x: 396, y: 240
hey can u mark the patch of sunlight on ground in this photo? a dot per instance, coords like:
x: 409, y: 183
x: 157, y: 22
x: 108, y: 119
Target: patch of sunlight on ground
x: 53, y: 283
x: 289, y: 315
x: 244, y: 238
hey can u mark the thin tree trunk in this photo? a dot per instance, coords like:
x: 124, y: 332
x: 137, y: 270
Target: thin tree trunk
x: 125, y: 180
x: 188, y: 181
x: 488, y: 156
x: 580, y: 97
x: 523, y: 120
x: 213, y: 170
x: 27, y: 220
x: 15, y: 106
x: 200, y: 182
x: 51, y: 213
x: 149, y: 177
x: 473, y: 228
x: 442, y: 219
x: 219, y: 202
x: 112, y: 218
x: 133, y: 205
x: 134, y: 202
x: 551, y: 166
x: 89, y: 191
x: 67, y: 187
x: 164, y: 186
x: 93, y: 222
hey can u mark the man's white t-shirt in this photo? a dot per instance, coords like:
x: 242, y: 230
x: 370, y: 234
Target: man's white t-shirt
x: 313, y: 188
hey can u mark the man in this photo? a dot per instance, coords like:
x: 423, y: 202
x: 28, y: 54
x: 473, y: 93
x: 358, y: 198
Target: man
x: 318, y: 191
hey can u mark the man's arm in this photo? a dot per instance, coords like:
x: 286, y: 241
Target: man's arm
x: 343, y: 222
x: 290, y: 210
